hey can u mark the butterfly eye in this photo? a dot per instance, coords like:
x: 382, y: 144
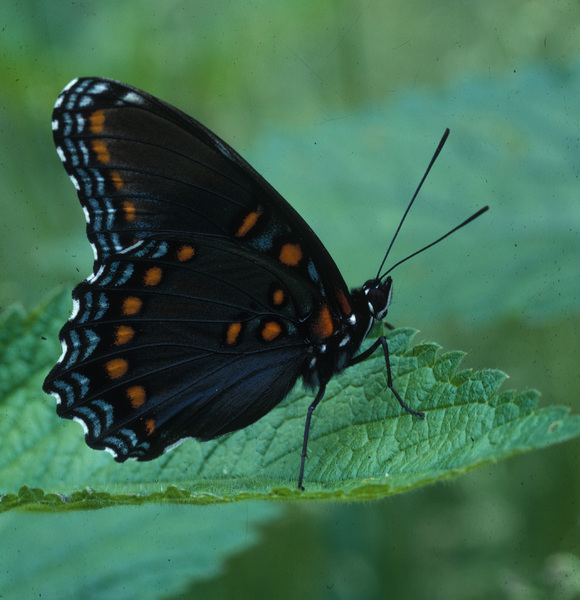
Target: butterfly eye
x: 378, y: 295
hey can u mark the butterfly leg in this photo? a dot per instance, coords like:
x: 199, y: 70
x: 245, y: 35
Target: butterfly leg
x: 311, y: 408
x: 364, y: 355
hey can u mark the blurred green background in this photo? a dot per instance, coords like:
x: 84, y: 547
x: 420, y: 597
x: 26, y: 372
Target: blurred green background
x: 339, y: 104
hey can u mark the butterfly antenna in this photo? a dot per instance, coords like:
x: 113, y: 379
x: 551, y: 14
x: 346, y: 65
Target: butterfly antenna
x: 435, y: 155
x: 474, y: 216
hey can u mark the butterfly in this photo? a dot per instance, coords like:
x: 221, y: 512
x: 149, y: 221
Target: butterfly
x: 210, y: 295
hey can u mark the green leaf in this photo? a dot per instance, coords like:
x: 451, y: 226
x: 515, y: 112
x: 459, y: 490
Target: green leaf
x: 124, y: 553
x: 362, y: 444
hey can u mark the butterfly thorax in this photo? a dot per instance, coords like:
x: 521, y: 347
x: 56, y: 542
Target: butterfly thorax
x: 333, y: 353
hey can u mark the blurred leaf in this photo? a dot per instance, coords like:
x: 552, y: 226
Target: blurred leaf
x: 362, y: 444
x: 131, y: 554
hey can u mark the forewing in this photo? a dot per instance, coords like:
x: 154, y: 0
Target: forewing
x: 143, y: 168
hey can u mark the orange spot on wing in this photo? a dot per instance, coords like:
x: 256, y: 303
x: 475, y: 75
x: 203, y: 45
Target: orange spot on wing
x: 344, y: 303
x: 249, y: 222
x: 278, y: 297
x: 117, y: 367
x: 152, y: 276
x: 271, y: 330
x: 136, y: 395
x: 323, y: 325
x: 290, y: 254
x: 97, y: 121
x: 131, y: 305
x: 101, y: 150
x: 233, y: 333
x: 129, y: 210
x: 185, y: 253
x: 117, y: 180
x: 123, y: 334
x: 150, y: 426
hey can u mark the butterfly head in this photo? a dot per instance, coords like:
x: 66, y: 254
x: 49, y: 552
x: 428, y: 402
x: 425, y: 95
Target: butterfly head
x: 378, y: 295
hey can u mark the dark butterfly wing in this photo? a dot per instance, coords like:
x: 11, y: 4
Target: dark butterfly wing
x: 193, y: 322
x: 143, y: 168
x: 165, y: 345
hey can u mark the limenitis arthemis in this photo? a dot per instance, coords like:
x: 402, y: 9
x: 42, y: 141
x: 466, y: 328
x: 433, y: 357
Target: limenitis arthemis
x: 210, y: 295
